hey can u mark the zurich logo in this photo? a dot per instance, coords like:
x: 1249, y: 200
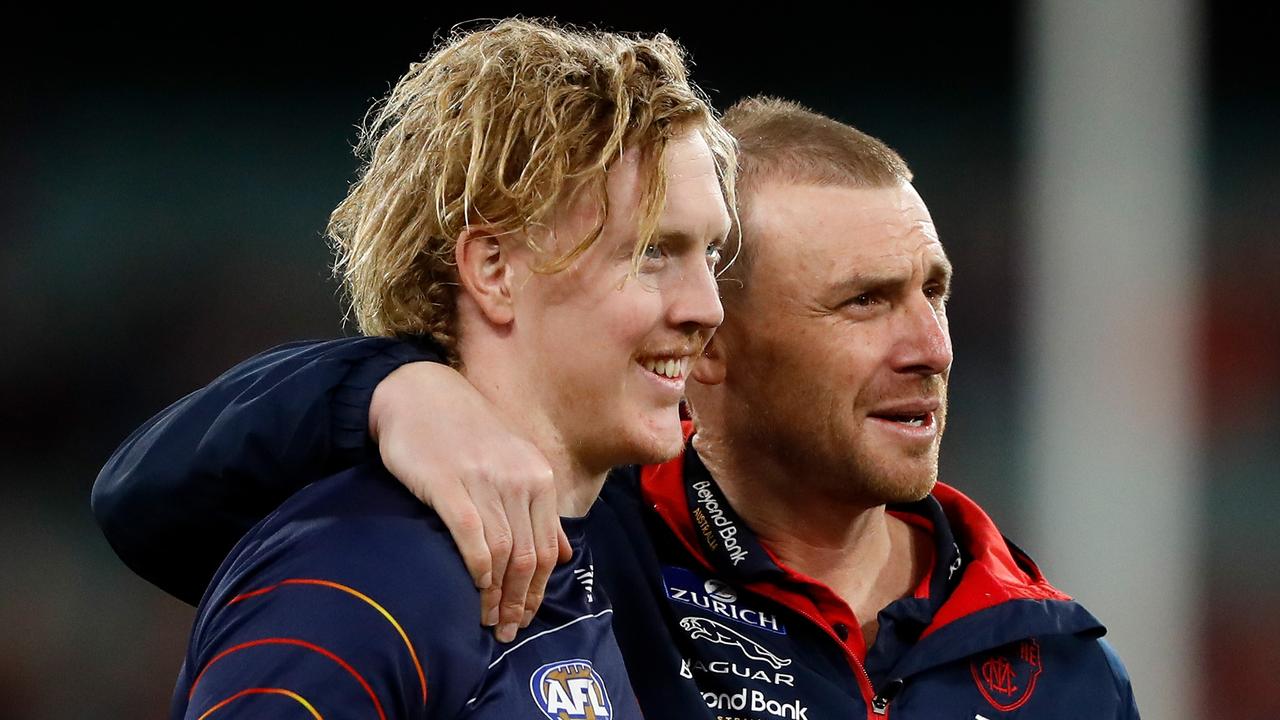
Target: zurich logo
x: 570, y: 690
x: 720, y: 590
x: 718, y: 597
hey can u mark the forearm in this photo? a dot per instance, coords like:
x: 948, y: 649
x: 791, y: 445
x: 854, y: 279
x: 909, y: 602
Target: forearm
x: 184, y: 487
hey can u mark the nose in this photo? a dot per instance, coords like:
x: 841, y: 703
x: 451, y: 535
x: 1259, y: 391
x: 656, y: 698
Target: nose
x: 924, y: 340
x: 696, y: 304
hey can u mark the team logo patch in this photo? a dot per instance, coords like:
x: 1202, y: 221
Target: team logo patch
x: 570, y: 690
x: 1006, y: 677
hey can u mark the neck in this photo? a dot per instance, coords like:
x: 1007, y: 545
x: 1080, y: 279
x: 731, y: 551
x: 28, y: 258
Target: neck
x: 864, y: 554
x: 807, y: 528
x: 577, y: 481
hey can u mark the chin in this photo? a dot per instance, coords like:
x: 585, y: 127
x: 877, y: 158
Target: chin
x: 900, y: 481
x: 660, y: 440
x: 885, y: 491
x: 919, y: 489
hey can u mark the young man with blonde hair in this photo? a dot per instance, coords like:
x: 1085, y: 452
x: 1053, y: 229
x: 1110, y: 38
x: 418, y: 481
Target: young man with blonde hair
x: 547, y: 205
x: 800, y: 560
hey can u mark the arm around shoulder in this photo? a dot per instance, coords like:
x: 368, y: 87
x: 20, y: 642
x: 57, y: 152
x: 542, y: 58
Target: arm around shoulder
x: 179, y: 492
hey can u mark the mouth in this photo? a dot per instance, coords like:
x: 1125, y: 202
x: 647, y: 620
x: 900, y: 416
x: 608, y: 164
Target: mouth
x: 668, y: 367
x: 914, y: 416
x: 913, y: 421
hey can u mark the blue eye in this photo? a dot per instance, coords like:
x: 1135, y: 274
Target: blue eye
x: 653, y: 251
x: 713, y: 255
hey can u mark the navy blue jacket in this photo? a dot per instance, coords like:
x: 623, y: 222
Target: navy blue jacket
x: 352, y: 601
x: 708, y: 623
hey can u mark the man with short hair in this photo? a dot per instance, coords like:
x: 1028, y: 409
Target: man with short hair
x: 799, y: 560
x: 528, y: 190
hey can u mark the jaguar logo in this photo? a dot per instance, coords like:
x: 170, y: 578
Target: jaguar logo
x: 712, y: 631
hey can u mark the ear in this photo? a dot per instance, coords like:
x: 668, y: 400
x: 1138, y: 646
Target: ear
x: 709, y: 369
x: 485, y: 271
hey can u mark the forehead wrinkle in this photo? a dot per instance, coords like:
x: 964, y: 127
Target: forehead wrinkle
x: 893, y: 268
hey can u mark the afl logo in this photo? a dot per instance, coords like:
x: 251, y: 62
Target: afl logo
x: 720, y: 590
x: 570, y: 690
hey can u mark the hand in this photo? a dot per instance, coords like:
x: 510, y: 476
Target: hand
x: 492, y: 488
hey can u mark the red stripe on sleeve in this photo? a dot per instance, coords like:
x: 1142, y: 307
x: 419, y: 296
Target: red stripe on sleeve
x: 299, y: 643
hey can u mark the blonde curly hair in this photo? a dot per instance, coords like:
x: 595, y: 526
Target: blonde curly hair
x: 497, y: 127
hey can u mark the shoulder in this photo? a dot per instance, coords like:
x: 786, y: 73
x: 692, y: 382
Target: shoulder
x: 357, y: 528
x: 354, y: 568
x: 1091, y: 668
x: 1120, y: 676
x: 1050, y: 676
x: 362, y: 518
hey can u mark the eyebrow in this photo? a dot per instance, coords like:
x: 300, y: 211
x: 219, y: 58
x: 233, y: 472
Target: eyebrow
x: 681, y: 237
x: 940, y: 268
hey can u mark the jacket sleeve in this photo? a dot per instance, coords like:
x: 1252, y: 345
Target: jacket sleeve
x: 182, y: 489
x: 1128, y: 707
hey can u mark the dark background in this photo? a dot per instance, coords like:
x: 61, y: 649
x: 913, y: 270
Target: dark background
x: 166, y: 179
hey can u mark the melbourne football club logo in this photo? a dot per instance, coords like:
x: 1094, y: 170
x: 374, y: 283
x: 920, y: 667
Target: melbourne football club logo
x: 1006, y: 677
x: 570, y: 690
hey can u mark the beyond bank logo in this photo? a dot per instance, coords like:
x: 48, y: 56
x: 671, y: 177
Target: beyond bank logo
x: 717, y: 597
x: 715, y: 525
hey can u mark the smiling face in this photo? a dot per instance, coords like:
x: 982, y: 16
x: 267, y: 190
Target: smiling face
x: 837, y: 350
x: 606, y: 351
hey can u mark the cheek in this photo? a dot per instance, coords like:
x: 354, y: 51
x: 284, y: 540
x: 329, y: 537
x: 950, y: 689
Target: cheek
x: 835, y: 358
x: 836, y: 378
x: 619, y: 324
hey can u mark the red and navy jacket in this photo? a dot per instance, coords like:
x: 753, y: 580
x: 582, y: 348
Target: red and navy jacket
x: 352, y: 601
x: 708, y: 622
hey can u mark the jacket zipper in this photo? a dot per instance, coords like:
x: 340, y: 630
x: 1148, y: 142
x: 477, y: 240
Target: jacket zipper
x: 879, y: 702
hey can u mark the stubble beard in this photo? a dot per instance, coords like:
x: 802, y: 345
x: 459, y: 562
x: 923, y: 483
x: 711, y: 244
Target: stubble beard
x: 839, y: 465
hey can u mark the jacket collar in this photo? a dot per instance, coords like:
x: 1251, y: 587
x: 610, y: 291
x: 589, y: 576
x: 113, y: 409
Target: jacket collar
x: 976, y: 570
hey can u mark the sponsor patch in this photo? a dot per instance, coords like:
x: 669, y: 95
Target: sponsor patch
x: 717, y: 526
x: 700, y: 628
x: 570, y: 690
x: 720, y: 590
x: 757, y: 702
x: 717, y: 597
x: 731, y: 670
x: 1006, y: 677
